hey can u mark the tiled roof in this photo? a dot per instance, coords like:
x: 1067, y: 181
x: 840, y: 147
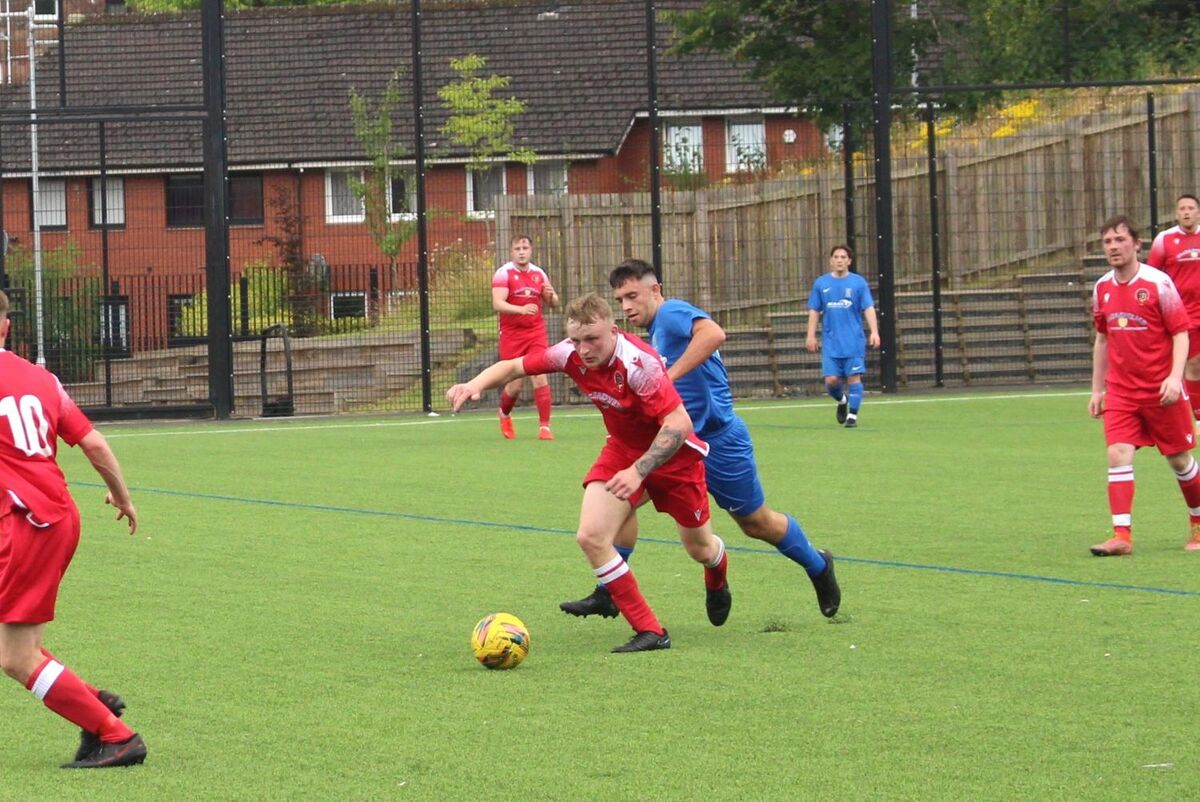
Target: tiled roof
x: 579, y: 67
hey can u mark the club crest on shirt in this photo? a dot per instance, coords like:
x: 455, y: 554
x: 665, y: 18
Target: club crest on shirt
x: 849, y: 292
x: 1142, y: 296
x: 1122, y: 322
x: 619, y: 380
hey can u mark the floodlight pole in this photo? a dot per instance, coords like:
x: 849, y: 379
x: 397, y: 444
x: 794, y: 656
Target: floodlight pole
x: 422, y: 227
x: 655, y: 141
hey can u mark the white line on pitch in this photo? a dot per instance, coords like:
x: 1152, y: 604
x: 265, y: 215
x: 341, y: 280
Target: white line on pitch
x: 471, y: 416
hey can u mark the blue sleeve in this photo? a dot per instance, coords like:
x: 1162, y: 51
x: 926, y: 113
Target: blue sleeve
x: 814, y: 298
x: 680, y: 317
x: 865, y: 302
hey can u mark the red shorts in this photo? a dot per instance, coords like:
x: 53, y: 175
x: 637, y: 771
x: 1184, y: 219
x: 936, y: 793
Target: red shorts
x: 1170, y: 427
x: 33, y: 560
x: 677, y: 488
x: 1193, y: 343
x: 520, y: 343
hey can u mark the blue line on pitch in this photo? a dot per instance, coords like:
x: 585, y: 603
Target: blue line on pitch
x: 408, y: 516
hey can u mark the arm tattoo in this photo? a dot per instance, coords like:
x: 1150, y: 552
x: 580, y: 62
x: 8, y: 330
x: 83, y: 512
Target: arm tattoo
x: 665, y: 444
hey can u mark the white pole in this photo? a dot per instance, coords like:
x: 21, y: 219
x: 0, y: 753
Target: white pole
x: 39, y: 317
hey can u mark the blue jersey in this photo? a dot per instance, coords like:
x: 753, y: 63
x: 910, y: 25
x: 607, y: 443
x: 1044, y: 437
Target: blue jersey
x: 841, y: 302
x: 705, y: 390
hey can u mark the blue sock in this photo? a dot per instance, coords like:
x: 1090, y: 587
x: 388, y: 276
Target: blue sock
x: 625, y: 553
x: 856, y: 396
x: 835, y: 391
x: 795, y: 547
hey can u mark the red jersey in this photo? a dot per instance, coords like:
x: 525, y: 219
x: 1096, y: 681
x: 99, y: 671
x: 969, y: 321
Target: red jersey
x: 1139, y: 317
x: 1177, y: 253
x: 34, y: 412
x: 524, y: 287
x: 632, y: 392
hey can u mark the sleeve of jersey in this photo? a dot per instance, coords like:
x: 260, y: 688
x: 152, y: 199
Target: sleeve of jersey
x: 814, y: 298
x: 73, y: 425
x: 1175, y: 314
x: 658, y: 395
x: 1097, y: 316
x: 867, y: 301
x: 551, y: 360
x: 500, y: 278
x: 1158, y: 252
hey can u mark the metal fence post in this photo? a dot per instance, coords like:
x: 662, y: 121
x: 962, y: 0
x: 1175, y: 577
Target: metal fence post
x: 655, y: 142
x: 216, y: 218
x: 935, y: 230
x: 1152, y: 148
x: 422, y: 228
x: 848, y: 174
x: 881, y: 79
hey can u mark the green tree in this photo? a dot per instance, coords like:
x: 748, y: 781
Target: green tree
x: 816, y: 54
x: 374, y: 132
x: 479, y: 122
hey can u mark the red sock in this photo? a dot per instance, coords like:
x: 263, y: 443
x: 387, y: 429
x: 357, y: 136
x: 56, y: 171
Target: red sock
x: 1120, y: 500
x: 507, y: 402
x: 1189, y: 483
x: 714, y: 575
x: 618, y: 580
x: 1193, y: 391
x: 62, y: 691
x: 93, y: 691
x: 541, y: 397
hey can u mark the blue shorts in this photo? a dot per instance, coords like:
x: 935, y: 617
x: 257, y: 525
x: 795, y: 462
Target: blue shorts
x: 843, y: 366
x: 731, y: 470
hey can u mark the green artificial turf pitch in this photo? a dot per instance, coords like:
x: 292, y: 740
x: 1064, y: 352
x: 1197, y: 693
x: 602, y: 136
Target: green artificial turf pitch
x: 291, y: 621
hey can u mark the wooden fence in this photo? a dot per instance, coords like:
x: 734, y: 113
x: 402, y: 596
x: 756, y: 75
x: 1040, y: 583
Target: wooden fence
x: 1029, y: 202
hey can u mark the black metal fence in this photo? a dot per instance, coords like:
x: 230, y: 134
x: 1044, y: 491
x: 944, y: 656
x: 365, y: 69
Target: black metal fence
x: 385, y: 287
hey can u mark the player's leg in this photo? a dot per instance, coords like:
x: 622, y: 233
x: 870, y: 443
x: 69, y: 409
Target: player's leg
x: 599, y: 601
x: 732, y: 476
x: 831, y: 370
x: 1191, y: 372
x: 543, y: 402
x: 680, y: 492
x: 35, y: 559
x: 1173, y: 430
x: 599, y: 519
x: 1120, y: 501
x: 854, y: 368
x: 509, y: 394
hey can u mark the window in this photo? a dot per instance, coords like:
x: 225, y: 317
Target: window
x: 341, y: 205
x: 185, y: 200
x: 184, y: 318
x: 45, y: 10
x: 402, y: 202
x: 114, y: 202
x: 246, y: 199
x: 483, y: 188
x: 50, y: 204
x: 745, y: 146
x: 347, y: 304
x: 548, y: 178
x: 683, y: 148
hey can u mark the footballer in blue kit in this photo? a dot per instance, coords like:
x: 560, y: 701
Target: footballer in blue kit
x: 840, y: 301
x: 688, y: 340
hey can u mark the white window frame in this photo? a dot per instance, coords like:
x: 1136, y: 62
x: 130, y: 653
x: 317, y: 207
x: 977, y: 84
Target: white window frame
x: 52, y: 17
x: 410, y: 189
x: 115, y: 202
x: 530, y: 183
x: 50, y: 205
x: 484, y: 214
x: 348, y: 294
x: 683, y: 131
x: 330, y: 217
x: 732, y: 163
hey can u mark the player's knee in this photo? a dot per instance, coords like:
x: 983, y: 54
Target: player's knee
x: 832, y: 381
x: 590, y: 541
x: 16, y: 666
x: 755, y: 527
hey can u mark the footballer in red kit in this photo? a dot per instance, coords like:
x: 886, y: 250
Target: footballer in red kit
x: 1176, y: 251
x: 651, y: 449
x: 1137, y: 380
x: 519, y: 289
x: 39, y: 530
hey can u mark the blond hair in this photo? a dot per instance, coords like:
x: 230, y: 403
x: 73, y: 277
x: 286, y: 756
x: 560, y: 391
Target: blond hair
x: 590, y: 308
x: 3, y: 306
